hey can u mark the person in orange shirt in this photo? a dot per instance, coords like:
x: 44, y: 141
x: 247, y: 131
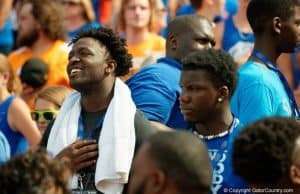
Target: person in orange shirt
x: 137, y: 24
x: 41, y: 34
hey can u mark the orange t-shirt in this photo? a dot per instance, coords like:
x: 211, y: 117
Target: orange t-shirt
x: 153, y: 46
x: 56, y: 56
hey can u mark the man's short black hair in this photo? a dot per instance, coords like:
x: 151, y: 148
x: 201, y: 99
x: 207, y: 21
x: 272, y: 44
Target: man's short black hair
x: 115, y: 45
x: 260, y: 12
x: 184, y: 159
x: 263, y: 150
x: 217, y: 63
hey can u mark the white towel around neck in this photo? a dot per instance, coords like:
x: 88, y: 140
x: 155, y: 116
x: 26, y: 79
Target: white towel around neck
x: 116, y: 142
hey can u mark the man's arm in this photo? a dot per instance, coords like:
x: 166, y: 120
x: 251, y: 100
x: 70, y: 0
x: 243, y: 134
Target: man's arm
x: 5, y: 7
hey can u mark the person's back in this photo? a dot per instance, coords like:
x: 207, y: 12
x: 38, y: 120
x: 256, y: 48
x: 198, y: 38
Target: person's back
x: 46, y: 43
x: 155, y: 89
x: 262, y: 90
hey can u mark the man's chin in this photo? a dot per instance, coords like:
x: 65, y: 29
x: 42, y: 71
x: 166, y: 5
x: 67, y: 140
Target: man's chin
x: 21, y: 43
x: 27, y: 40
x: 81, y: 86
x: 190, y: 121
x: 77, y: 85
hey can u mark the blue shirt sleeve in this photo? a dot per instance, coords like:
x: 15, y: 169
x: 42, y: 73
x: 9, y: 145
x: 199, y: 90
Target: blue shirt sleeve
x: 152, y: 95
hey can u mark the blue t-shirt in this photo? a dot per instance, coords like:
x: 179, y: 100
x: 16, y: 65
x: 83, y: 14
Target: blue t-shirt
x: 13, y: 137
x: 4, y: 149
x: 231, y: 6
x: 259, y: 93
x: 72, y: 34
x: 236, y: 43
x: 155, y: 91
x: 185, y: 9
x: 220, y: 153
x: 6, y: 38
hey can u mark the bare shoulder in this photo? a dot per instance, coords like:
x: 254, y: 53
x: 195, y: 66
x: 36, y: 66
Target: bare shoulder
x: 19, y: 104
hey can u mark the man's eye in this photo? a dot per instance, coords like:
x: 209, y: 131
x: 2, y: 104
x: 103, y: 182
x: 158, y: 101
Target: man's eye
x: 84, y: 53
x: 192, y: 88
x: 205, y: 41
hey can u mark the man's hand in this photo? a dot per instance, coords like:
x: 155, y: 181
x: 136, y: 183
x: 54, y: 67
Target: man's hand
x: 81, y: 154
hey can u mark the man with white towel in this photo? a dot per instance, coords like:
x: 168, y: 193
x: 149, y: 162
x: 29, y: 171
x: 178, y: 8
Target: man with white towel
x: 98, y: 127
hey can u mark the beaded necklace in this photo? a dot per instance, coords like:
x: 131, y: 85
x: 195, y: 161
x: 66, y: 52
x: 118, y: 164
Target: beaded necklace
x: 235, y: 122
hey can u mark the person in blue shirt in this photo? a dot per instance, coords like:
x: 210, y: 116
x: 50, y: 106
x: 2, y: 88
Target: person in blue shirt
x: 208, y: 81
x: 79, y: 16
x: 231, y: 6
x: 238, y: 39
x: 4, y: 149
x: 155, y: 88
x: 267, y: 155
x: 262, y: 90
x: 6, y: 31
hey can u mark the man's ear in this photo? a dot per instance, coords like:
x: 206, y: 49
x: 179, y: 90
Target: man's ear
x: 173, y: 42
x: 223, y: 93
x: 157, y: 182
x: 295, y: 174
x: 277, y: 24
x: 111, y: 66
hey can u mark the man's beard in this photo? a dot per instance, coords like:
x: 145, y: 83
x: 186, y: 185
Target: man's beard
x: 28, y: 39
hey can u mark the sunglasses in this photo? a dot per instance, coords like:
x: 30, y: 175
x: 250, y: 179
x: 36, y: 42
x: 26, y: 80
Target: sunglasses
x: 48, y: 115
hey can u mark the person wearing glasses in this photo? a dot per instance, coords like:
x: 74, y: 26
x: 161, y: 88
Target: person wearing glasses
x: 47, y: 104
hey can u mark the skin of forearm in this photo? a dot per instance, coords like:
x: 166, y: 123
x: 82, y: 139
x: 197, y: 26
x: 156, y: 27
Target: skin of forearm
x: 5, y: 7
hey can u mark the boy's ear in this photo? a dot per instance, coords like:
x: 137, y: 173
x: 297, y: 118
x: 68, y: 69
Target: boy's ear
x: 277, y: 24
x: 223, y: 92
